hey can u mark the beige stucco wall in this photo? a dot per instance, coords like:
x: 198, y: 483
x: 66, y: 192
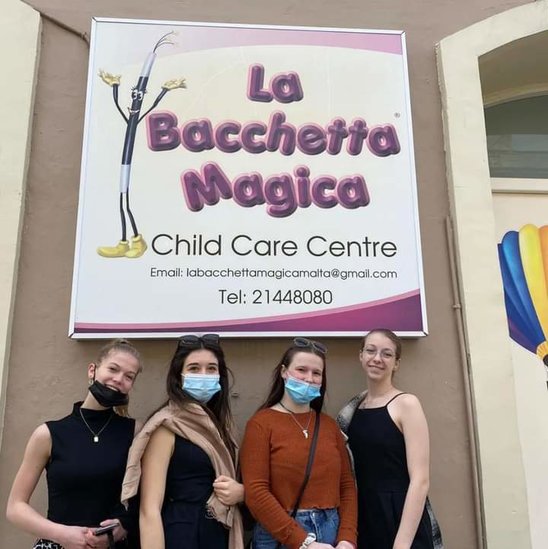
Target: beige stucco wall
x: 47, y: 371
x: 513, y: 211
x: 505, y: 441
x: 19, y: 50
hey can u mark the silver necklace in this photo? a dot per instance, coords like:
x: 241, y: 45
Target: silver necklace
x: 303, y: 429
x: 95, y: 434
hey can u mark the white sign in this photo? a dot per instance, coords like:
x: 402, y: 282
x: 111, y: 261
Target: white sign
x: 246, y: 180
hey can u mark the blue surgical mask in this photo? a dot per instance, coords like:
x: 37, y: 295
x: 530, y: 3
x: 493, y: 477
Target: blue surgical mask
x: 300, y: 391
x: 202, y: 387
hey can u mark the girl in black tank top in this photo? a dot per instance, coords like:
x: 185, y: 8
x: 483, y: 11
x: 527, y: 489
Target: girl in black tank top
x: 384, y: 425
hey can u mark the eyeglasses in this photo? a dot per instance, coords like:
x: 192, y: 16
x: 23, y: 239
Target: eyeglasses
x: 386, y: 354
x: 197, y: 341
x: 310, y: 344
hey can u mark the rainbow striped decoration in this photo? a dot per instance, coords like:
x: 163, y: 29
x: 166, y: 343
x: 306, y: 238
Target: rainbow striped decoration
x: 523, y: 260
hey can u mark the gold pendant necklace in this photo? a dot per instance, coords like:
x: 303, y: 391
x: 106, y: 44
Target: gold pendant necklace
x: 95, y: 435
x: 303, y: 429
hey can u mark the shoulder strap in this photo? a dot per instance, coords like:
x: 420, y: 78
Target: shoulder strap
x: 394, y: 398
x: 309, y: 464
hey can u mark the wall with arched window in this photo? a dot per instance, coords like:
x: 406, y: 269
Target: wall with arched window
x: 494, y: 85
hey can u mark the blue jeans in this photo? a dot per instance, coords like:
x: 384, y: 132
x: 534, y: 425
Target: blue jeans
x: 322, y: 522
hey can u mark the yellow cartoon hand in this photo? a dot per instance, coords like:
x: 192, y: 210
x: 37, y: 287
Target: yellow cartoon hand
x: 110, y: 79
x: 174, y: 84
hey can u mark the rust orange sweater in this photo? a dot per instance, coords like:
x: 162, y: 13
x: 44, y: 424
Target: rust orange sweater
x: 273, y: 461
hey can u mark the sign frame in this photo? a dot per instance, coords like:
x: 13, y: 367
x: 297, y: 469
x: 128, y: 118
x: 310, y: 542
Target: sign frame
x: 275, y: 322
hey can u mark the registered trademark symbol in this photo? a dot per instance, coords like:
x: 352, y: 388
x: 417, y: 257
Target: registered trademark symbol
x: 397, y: 114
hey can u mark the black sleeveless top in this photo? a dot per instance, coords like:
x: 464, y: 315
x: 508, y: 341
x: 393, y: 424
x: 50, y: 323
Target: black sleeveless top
x: 382, y: 478
x: 189, y: 483
x: 85, y: 477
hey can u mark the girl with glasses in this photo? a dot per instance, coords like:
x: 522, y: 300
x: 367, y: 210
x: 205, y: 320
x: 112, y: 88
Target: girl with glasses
x: 275, y: 452
x: 388, y: 436
x: 84, y: 455
x: 185, y: 455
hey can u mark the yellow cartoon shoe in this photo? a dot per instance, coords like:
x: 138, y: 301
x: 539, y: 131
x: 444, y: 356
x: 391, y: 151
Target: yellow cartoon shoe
x: 119, y: 250
x: 138, y: 247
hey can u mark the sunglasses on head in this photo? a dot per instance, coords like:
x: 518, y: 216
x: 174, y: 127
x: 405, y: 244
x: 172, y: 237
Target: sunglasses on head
x: 310, y: 344
x: 197, y: 341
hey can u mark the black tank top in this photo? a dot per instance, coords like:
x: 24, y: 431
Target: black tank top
x: 85, y: 477
x: 378, y: 447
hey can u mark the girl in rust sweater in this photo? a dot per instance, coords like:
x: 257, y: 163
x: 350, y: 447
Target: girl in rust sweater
x: 275, y: 453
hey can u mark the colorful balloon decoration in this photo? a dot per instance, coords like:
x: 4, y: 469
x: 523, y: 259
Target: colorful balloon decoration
x: 523, y: 260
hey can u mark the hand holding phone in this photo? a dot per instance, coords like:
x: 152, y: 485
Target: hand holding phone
x: 105, y: 529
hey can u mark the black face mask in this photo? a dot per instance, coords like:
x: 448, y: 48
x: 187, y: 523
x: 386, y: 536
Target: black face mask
x: 106, y: 396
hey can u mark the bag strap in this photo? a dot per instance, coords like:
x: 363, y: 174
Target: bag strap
x: 308, y: 465
x: 308, y: 470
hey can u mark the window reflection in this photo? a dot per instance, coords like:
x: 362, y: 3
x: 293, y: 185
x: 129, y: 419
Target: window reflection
x: 517, y: 138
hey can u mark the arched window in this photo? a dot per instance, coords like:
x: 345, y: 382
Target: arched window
x: 517, y: 138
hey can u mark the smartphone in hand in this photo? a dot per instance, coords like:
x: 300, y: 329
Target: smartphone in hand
x: 105, y: 529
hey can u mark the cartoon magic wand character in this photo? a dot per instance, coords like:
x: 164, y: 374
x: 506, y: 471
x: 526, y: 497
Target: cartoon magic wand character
x: 137, y: 246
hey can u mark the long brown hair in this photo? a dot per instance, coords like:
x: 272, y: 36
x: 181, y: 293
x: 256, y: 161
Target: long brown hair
x: 277, y: 385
